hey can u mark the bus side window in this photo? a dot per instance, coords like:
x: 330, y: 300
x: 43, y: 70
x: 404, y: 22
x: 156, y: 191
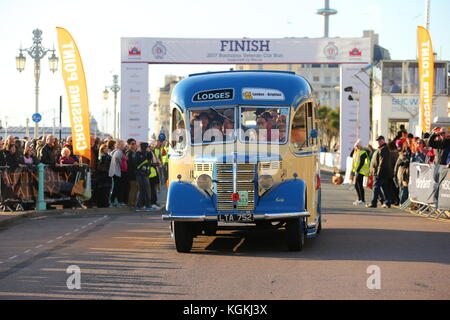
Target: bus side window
x: 178, y: 131
x: 299, y: 128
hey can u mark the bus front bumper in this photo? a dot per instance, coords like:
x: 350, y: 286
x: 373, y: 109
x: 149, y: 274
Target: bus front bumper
x: 257, y: 217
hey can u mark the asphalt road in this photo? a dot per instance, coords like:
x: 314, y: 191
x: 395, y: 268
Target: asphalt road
x: 131, y: 256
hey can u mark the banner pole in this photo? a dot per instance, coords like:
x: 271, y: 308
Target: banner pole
x: 60, y: 118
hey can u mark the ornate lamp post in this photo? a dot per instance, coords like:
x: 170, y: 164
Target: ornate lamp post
x: 37, y: 52
x: 115, y: 88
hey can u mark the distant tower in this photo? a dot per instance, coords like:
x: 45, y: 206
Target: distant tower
x: 427, y: 14
x: 326, y: 13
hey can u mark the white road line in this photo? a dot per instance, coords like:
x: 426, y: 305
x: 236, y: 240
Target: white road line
x: 12, y: 258
x: 83, y: 227
x: 67, y: 234
x: 49, y: 241
x: 90, y: 223
x: 27, y: 251
x: 37, y: 247
x: 60, y: 237
x: 76, y: 230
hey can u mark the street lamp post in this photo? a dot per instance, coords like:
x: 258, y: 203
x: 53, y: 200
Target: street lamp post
x: 115, y: 88
x: 37, y: 52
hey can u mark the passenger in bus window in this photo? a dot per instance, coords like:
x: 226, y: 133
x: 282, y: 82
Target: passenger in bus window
x: 228, y: 125
x: 262, y: 128
x: 204, y: 119
x: 215, y: 132
x: 281, y: 131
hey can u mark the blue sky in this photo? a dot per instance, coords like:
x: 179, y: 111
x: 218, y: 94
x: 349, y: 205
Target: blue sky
x: 98, y: 25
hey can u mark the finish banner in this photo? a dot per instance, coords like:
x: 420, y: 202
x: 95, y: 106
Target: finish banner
x: 426, y: 74
x: 74, y: 79
x: 246, y: 50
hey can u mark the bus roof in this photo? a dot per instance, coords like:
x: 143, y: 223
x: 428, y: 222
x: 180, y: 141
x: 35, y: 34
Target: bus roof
x: 259, y: 88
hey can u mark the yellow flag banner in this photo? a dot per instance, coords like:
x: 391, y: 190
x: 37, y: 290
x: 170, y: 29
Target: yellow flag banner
x: 74, y: 79
x: 426, y: 74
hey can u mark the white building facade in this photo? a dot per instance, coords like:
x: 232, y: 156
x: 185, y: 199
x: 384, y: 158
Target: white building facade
x: 395, y: 96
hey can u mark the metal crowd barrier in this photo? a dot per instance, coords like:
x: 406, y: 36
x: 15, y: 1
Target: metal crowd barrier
x: 435, y: 184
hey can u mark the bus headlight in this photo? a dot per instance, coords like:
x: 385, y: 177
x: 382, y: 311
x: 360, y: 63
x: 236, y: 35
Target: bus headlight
x: 204, y: 182
x: 265, y: 182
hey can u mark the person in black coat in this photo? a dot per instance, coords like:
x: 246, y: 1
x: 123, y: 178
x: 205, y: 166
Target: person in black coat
x: 104, y: 181
x: 2, y: 155
x: 440, y: 140
x: 12, y: 157
x: 48, y: 156
x: 383, y: 172
x: 133, y: 187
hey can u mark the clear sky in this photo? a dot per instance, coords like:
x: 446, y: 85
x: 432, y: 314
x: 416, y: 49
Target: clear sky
x: 98, y: 25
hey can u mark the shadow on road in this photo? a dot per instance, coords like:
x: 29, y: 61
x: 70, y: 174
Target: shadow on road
x: 336, y: 244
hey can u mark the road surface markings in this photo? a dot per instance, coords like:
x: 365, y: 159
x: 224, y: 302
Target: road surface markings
x: 238, y: 245
x: 58, y: 238
x: 39, y: 218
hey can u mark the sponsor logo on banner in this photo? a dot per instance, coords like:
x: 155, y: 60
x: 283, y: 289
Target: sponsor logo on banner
x: 159, y: 50
x: 355, y: 52
x: 262, y: 94
x: 331, y: 51
x: 134, y: 51
x: 214, y: 95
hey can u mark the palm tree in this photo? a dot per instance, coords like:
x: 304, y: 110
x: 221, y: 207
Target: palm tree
x: 329, y: 122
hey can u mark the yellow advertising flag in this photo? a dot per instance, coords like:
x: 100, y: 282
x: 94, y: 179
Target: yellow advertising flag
x: 74, y: 79
x: 426, y: 80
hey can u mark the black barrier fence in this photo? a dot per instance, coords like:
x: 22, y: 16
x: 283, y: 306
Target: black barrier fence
x: 19, y: 186
x: 429, y: 186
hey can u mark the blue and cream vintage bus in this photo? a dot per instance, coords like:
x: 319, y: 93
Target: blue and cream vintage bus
x: 244, y: 150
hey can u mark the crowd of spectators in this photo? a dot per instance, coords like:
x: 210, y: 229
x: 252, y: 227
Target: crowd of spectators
x: 389, y: 164
x: 123, y: 172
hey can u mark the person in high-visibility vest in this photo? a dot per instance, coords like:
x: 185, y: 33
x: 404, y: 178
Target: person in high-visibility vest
x: 154, y: 177
x: 361, y: 169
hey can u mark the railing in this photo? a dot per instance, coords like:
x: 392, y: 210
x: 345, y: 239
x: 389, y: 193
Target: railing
x: 30, y: 186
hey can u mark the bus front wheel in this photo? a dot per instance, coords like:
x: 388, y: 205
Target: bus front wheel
x: 183, y: 235
x: 295, y: 229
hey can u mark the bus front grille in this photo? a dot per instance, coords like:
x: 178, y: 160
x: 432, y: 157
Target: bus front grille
x: 226, y: 186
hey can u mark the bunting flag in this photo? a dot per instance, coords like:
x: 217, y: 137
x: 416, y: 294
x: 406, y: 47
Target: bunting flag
x: 426, y: 80
x: 75, y: 82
